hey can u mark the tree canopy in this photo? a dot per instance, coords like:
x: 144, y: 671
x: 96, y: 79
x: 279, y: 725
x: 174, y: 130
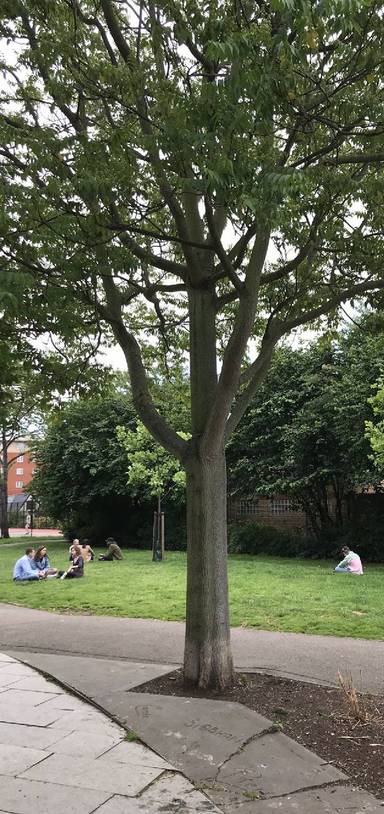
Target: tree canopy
x: 304, y: 433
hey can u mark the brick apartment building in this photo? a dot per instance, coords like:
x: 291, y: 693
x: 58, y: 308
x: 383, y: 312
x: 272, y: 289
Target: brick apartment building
x: 20, y: 472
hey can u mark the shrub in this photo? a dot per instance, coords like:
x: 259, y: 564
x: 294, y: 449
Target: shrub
x: 256, y: 538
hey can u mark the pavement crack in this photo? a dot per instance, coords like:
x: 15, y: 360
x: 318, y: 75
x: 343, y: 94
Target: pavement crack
x: 98, y: 807
x: 270, y: 730
x: 315, y: 787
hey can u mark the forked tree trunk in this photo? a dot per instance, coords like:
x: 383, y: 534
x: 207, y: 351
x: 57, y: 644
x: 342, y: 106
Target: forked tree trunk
x: 207, y: 655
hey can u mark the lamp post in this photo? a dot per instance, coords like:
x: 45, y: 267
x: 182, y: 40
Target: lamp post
x: 158, y: 533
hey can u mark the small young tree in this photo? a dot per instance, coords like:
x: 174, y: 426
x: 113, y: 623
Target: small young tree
x: 151, y: 470
x: 195, y: 170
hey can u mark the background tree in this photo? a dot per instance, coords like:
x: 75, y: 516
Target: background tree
x: 375, y: 430
x: 198, y: 172
x: 304, y: 433
x: 81, y: 478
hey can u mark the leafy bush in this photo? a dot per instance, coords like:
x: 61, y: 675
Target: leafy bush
x: 128, y: 521
x: 366, y: 538
x: 256, y: 538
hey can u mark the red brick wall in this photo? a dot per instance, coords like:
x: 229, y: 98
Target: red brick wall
x: 278, y: 512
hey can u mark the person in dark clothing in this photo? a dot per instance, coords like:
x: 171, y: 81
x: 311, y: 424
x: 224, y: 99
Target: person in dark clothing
x: 114, y: 551
x: 77, y: 568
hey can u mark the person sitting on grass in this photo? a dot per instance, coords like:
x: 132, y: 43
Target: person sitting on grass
x: 114, y: 551
x: 24, y: 571
x: 87, y: 552
x: 74, y: 542
x: 351, y: 564
x: 40, y: 562
x: 77, y: 568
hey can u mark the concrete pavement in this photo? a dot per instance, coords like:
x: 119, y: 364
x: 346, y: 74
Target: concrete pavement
x: 59, y: 754
x: 293, y: 655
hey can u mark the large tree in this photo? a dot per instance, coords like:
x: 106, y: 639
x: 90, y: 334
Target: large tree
x: 304, y: 431
x: 201, y: 171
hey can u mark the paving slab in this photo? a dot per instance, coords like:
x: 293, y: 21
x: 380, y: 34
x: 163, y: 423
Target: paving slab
x: 98, y: 675
x: 15, y: 668
x: 337, y: 800
x: 135, y: 754
x: 35, y: 716
x: 28, y: 797
x: 275, y: 764
x: 84, y: 773
x: 168, y: 789
x: 195, y: 734
x: 38, y: 683
x: 9, y: 680
x: 90, y: 744
x: 91, y: 722
x: 28, y: 699
x: 169, y: 795
x: 37, y: 737
x: 66, y: 702
x: 16, y: 759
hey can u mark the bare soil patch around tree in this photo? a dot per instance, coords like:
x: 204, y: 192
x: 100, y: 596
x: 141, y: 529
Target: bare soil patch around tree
x: 342, y: 726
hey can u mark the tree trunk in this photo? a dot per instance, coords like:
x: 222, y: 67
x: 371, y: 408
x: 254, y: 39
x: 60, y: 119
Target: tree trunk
x: 4, y: 528
x: 207, y: 655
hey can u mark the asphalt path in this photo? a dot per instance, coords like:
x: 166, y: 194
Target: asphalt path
x: 300, y: 656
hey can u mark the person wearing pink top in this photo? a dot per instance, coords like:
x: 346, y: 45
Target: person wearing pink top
x: 351, y: 564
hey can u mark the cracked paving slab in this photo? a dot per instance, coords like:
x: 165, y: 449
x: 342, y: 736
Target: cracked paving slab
x: 196, y: 735
x: 335, y: 800
x: 275, y: 764
x: 171, y: 794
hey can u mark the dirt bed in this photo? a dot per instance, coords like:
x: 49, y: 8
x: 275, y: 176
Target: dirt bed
x: 320, y: 718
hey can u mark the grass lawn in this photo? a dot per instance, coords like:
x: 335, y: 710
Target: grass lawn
x: 265, y: 592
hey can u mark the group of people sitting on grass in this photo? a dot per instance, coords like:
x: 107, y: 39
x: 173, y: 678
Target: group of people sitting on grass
x: 35, y: 565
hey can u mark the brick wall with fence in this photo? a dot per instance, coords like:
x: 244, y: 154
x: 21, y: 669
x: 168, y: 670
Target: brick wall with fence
x: 277, y: 511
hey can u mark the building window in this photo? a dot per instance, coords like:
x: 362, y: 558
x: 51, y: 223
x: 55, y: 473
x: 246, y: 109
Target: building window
x: 20, y: 471
x: 19, y: 484
x: 20, y: 459
x: 245, y: 508
x: 281, y: 505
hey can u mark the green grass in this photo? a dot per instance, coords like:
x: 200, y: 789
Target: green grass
x: 269, y: 593
x: 25, y: 540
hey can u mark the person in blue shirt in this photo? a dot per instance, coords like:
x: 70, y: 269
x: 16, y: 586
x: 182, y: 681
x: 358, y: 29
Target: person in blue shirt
x: 24, y: 571
x: 40, y: 562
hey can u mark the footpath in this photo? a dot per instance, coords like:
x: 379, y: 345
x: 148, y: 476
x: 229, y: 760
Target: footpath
x: 64, y: 744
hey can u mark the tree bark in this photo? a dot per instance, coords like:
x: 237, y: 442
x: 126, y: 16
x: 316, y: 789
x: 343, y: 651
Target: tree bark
x: 4, y: 528
x: 207, y: 655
